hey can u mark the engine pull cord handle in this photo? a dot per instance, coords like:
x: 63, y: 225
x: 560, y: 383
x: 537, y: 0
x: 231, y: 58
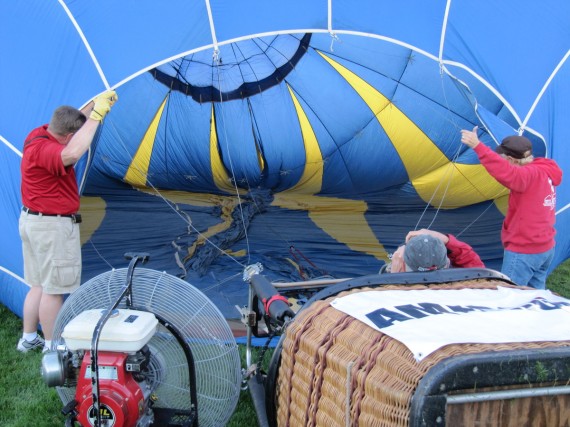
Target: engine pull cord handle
x: 126, y: 290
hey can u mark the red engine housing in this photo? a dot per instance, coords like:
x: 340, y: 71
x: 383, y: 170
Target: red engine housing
x: 121, y: 399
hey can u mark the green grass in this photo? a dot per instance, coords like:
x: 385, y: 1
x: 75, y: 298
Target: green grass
x: 559, y: 280
x: 24, y: 398
x: 26, y: 401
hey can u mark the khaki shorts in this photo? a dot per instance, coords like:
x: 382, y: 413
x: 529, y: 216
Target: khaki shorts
x: 52, y: 252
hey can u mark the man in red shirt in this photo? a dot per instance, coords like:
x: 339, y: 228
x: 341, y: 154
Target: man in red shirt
x: 528, y: 229
x: 428, y: 250
x: 49, y: 222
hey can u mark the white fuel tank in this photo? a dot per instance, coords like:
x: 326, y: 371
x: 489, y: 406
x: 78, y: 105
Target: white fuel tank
x: 126, y: 330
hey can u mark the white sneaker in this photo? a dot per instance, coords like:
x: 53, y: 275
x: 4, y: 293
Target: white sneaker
x: 24, y: 346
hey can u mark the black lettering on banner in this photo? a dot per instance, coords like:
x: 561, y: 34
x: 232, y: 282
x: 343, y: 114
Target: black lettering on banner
x: 467, y: 308
x: 384, y: 317
x: 422, y: 309
x: 550, y: 305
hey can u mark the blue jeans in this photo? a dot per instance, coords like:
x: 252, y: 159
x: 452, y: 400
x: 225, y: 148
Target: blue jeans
x: 527, y: 269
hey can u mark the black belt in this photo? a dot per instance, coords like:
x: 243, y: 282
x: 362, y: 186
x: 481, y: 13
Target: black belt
x: 76, y: 218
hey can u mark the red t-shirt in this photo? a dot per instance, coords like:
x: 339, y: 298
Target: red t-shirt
x: 47, y: 185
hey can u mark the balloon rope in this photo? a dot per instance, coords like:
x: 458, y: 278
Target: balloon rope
x: 274, y: 230
x: 458, y: 83
x: 174, y: 207
x: 451, y: 167
x: 452, y: 164
x: 100, y: 255
x: 449, y: 172
x: 475, y: 220
x: 217, y: 62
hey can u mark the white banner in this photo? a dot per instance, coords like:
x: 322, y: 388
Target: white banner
x: 425, y: 320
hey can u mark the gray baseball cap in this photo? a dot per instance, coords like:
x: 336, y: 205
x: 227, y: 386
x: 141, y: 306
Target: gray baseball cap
x: 425, y: 253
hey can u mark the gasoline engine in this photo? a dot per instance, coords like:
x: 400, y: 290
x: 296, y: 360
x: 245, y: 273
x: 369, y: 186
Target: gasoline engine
x: 126, y: 384
x: 127, y: 344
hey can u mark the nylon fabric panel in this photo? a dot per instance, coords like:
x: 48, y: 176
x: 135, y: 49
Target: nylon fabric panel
x: 36, y: 91
x: 229, y: 115
x: 414, y: 22
x: 138, y: 170
x: 261, y: 17
x: 341, y: 219
x: 496, y: 50
x: 10, y: 204
x: 219, y: 173
x: 275, y: 120
x: 554, y: 110
x: 12, y: 286
x: 142, y: 33
x: 470, y: 184
x: 236, y: 143
x: 312, y: 178
x: 398, y: 127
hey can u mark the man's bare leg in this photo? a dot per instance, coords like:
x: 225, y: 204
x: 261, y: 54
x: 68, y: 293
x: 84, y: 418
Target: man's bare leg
x: 49, y: 309
x: 32, y: 309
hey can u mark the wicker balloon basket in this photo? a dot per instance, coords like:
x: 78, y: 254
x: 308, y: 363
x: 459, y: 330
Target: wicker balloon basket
x: 336, y: 371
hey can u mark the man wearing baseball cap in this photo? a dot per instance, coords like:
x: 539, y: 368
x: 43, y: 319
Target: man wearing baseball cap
x: 528, y: 229
x: 430, y: 250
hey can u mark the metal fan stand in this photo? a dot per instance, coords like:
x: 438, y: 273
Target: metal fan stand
x: 162, y: 416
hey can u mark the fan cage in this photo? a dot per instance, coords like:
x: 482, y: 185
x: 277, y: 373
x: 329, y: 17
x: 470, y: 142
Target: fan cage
x: 201, y: 324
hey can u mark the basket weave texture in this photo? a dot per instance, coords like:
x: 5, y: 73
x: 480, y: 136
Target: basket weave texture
x: 338, y: 371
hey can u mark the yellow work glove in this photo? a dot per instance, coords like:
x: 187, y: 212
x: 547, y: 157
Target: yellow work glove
x: 103, y: 104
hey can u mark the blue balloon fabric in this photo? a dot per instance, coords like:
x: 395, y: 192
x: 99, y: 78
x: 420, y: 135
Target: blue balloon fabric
x: 309, y: 137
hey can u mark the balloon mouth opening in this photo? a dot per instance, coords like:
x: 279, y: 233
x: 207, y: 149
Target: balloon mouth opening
x: 224, y: 76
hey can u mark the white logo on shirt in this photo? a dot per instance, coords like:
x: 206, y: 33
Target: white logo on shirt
x: 550, y: 200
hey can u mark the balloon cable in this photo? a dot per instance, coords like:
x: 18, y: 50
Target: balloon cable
x: 172, y: 206
x: 452, y: 164
x: 448, y: 175
x: 217, y: 62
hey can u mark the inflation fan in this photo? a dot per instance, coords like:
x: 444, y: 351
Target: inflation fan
x: 138, y: 347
